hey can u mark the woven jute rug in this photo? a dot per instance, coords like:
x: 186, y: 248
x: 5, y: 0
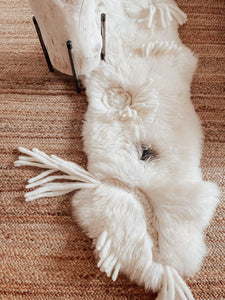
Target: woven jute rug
x: 43, y: 252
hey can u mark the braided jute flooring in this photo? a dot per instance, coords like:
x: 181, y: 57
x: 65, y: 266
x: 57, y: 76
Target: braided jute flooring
x: 43, y: 252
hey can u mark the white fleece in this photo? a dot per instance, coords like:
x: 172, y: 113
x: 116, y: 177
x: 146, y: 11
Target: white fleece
x: 145, y: 214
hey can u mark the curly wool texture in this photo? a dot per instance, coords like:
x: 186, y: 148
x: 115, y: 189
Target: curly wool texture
x: 146, y: 217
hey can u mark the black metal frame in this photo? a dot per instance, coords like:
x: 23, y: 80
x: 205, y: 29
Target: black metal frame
x: 77, y: 83
x: 103, y: 33
x: 45, y: 51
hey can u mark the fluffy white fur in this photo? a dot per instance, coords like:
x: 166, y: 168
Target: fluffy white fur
x: 146, y: 218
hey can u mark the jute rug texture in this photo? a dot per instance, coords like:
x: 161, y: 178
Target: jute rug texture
x: 43, y: 252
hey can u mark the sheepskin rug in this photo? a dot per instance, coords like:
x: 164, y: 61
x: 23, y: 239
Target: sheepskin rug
x: 142, y: 201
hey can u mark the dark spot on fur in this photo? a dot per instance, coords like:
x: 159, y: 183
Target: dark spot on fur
x: 147, y: 153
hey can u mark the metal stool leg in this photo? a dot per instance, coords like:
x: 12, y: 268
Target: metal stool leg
x: 103, y: 33
x: 69, y: 47
x: 43, y: 45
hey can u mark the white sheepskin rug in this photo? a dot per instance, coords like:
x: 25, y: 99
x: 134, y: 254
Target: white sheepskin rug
x: 142, y: 201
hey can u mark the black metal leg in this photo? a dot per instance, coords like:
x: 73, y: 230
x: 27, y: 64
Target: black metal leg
x: 103, y: 33
x: 43, y: 45
x: 69, y: 47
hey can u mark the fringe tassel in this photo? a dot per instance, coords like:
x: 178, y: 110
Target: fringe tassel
x: 108, y: 263
x: 173, y: 285
x: 162, y: 14
x: 160, y: 48
x: 48, y: 188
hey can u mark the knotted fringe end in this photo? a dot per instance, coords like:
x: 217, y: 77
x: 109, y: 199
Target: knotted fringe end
x: 160, y: 48
x: 162, y: 15
x: 173, y: 286
x: 45, y: 182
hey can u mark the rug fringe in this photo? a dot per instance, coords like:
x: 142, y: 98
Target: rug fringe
x: 162, y: 14
x: 47, y: 187
x: 173, y: 285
